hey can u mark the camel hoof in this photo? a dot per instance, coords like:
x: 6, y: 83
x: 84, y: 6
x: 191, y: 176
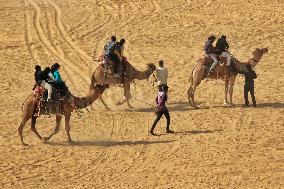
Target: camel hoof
x: 44, y: 139
x: 24, y: 144
x: 232, y: 105
x: 196, y: 107
x: 71, y: 142
x: 227, y: 104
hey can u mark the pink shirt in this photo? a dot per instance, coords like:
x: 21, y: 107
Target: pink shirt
x: 161, y: 100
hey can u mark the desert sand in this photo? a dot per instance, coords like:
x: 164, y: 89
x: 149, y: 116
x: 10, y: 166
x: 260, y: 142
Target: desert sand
x: 213, y: 147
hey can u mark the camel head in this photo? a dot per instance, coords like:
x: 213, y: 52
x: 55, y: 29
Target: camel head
x: 257, y: 54
x: 151, y: 67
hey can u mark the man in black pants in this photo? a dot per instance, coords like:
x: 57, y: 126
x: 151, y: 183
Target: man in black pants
x: 162, y: 109
x: 249, y: 86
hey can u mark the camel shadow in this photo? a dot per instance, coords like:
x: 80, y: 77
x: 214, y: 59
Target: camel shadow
x: 179, y: 106
x: 109, y: 143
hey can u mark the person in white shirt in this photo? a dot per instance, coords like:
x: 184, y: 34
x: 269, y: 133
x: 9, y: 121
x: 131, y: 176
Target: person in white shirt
x: 161, y: 74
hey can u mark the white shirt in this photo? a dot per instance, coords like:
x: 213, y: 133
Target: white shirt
x: 162, y: 75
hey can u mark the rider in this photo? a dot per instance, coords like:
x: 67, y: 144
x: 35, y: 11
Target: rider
x: 109, y: 46
x: 210, y: 51
x: 110, y: 53
x: 37, y: 74
x: 222, y: 46
x: 119, y: 48
x: 162, y: 109
x: 59, y: 83
x: 47, y: 77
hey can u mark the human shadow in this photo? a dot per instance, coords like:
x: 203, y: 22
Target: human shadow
x: 270, y: 105
x: 196, y: 132
x: 107, y: 143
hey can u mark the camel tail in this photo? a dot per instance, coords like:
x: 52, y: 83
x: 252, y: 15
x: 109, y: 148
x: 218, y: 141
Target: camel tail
x: 24, y: 103
x: 190, y: 80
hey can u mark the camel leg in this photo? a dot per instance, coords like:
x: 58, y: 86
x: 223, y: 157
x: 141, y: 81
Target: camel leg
x: 189, y: 95
x: 127, y: 95
x: 192, y: 96
x: 67, y: 126
x: 21, y: 127
x: 33, y: 128
x: 231, y: 88
x: 102, y: 100
x: 56, y: 130
x: 226, y: 92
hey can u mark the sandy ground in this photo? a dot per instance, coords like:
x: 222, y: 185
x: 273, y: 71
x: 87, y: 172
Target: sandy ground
x: 214, y: 147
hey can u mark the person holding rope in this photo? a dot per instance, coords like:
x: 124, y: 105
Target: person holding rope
x: 162, y: 109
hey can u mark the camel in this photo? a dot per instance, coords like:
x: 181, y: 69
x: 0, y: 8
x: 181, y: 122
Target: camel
x: 100, y: 76
x: 221, y: 72
x: 29, y: 111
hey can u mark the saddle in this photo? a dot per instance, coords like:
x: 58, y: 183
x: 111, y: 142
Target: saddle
x: 109, y: 65
x: 43, y: 106
x: 208, y: 61
x: 205, y: 60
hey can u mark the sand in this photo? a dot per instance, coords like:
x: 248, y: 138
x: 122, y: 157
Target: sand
x: 213, y: 147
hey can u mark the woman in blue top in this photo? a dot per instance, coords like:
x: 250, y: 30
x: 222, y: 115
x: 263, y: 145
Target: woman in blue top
x: 59, y: 83
x: 54, y: 69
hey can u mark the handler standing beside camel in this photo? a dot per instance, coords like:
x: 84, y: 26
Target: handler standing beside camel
x: 161, y: 75
x: 162, y: 109
x: 249, y: 86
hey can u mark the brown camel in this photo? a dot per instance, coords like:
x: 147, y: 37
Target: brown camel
x: 100, y: 76
x: 221, y: 72
x: 30, y: 105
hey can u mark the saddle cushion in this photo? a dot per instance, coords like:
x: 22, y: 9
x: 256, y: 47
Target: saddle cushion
x: 205, y: 60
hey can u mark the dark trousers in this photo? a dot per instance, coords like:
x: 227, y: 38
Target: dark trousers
x: 116, y: 62
x: 249, y: 88
x: 159, y: 115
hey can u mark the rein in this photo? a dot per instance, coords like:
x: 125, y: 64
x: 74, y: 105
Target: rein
x: 85, y: 103
x: 254, y: 60
x: 144, y: 102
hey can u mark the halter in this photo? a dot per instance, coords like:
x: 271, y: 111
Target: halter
x: 254, y: 60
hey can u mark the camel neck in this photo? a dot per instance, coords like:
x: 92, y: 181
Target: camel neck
x: 141, y: 75
x: 83, y: 102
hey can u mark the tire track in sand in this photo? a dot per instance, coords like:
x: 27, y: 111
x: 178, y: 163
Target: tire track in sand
x: 28, y: 38
x: 51, y: 37
x: 63, y: 33
x: 49, y: 46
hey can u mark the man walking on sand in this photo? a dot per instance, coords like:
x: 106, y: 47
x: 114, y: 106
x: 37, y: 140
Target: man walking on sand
x: 162, y: 109
x: 161, y: 74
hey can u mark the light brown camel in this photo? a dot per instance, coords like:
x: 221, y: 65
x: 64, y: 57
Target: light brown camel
x: 29, y: 111
x: 221, y: 72
x: 102, y: 77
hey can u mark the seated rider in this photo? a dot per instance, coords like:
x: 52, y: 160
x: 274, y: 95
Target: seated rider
x: 37, y: 76
x: 109, y: 52
x: 109, y: 45
x: 59, y: 83
x: 119, y: 48
x: 210, y: 51
x: 222, y: 46
x: 46, y: 79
